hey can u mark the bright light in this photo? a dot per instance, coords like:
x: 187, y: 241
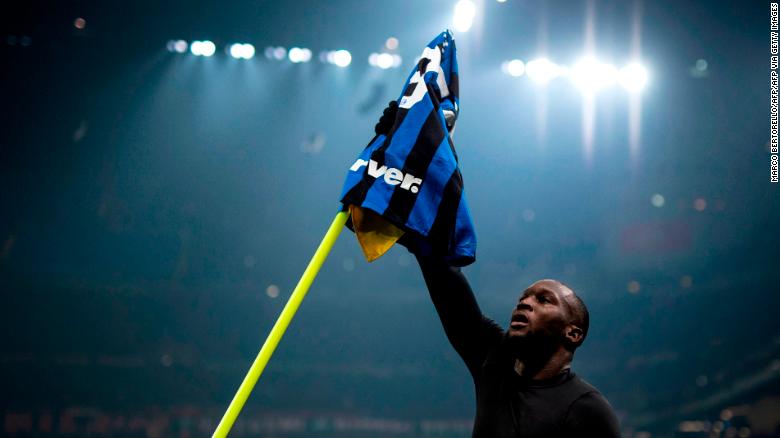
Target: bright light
x: 542, y: 70
x: 657, y: 200
x: 297, y: 54
x: 514, y: 67
x: 465, y: 10
x: 277, y: 53
x: 242, y: 51
x: 342, y: 58
x: 249, y: 51
x: 272, y: 291
x: 203, y: 48
x: 633, y: 77
x: 237, y: 50
x: 590, y: 75
x: 384, y: 61
x: 208, y: 48
x: 280, y: 53
x: 391, y: 43
x: 195, y: 48
x: 180, y: 46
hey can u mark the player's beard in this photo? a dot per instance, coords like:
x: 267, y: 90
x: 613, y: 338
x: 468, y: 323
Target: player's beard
x: 533, y: 346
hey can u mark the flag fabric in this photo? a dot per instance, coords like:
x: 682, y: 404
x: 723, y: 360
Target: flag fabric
x: 406, y: 186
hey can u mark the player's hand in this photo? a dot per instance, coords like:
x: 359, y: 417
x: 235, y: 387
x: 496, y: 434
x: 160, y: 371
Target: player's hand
x: 450, y: 117
x: 387, y: 120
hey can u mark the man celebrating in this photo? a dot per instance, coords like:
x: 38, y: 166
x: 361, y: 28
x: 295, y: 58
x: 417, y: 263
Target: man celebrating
x: 523, y: 379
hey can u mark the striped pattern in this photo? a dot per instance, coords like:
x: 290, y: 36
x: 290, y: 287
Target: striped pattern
x: 434, y: 215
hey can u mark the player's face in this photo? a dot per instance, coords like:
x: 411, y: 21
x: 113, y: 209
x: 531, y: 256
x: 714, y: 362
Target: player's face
x: 541, y: 310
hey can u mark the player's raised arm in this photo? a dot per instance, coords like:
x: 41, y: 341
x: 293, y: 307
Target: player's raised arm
x: 470, y: 333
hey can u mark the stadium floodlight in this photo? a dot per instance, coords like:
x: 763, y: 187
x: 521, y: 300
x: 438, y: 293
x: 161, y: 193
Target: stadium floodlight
x: 633, y: 77
x: 237, y: 51
x: 391, y: 43
x: 180, y: 46
x: 196, y: 48
x: 203, y: 48
x: 249, y: 51
x: 208, y: 48
x: 341, y: 58
x: 297, y: 54
x: 590, y: 75
x: 242, y: 51
x: 384, y: 61
x: 465, y: 10
x: 514, y: 67
x: 277, y: 53
x: 542, y: 70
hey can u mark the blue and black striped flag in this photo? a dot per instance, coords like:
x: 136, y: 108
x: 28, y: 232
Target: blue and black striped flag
x: 406, y: 186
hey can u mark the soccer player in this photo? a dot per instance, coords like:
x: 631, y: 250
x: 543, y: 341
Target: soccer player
x: 524, y: 383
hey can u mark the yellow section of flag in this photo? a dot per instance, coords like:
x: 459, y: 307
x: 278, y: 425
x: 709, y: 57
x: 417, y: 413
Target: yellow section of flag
x: 375, y: 234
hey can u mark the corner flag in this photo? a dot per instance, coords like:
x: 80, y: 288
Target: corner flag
x: 406, y: 186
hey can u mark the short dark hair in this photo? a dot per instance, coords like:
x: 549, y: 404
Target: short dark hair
x: 580, y: 316
x: 579, y: 313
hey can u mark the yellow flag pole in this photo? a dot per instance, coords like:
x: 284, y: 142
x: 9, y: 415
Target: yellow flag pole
x: 281, y: 325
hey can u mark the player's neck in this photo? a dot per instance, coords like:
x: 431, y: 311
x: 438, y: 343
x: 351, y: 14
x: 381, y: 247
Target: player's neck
x: 544, y: 367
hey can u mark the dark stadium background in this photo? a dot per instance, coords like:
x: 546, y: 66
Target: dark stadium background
x: 153, y: 203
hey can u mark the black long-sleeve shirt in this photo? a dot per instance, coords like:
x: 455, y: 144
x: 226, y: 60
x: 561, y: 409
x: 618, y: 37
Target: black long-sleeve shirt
x: 507, y: 404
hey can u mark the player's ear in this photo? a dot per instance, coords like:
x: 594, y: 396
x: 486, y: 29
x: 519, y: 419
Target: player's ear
x: 574, y: 334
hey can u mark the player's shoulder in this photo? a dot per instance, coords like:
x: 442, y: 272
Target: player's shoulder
x: 591, y: 401
x: 591, y: 411
x: 492, y: 330
x: 583, y: 386
x: 588, y: 398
